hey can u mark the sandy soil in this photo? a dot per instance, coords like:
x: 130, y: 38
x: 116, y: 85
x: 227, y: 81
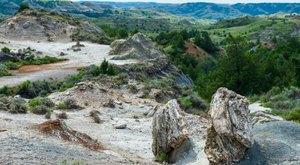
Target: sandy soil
x: 90, y: 54
x: 255, y: 107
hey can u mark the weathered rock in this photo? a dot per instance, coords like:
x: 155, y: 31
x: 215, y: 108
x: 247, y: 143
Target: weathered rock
x: 122, y: 126
x: 276, y: 142
x: 39, y: 24
x: 110, y: 104
x: 151, y: 60
x: 138, y: 47
x: 261, y: 117
x: 230, y: 133
x: 169, y: 132
x: 60, y: 129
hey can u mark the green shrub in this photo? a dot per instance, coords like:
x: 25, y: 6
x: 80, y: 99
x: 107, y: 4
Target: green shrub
x: 274, y: 91
x: 5, y: 50
x: 133, y: 88
x: 68, y: 104
x: 268, y: 104
x: 4, y: 71
x: 4, y: 103
x: 111, y: 71
x: 71, y: 104
x: 278, y: 97
x: 161, y: 157
x: 7, y: 91
x: 41, y: 101
x: 185, y: 102
x: 34, y: 89
x: 284, y: 105
x: 13, y: 65
x: 264, y: 99
x: 294, y: 115
x: 23, y: 7
x: 48, y: 115
x: 18, y: 105
x: 292, y: 92
x: 194, y: 104
x: 40, y: 110
x: 253, y: 98
x: 62, y: 115
x: 104, y: 68
x: 31, y: 61
x: 61, y: 106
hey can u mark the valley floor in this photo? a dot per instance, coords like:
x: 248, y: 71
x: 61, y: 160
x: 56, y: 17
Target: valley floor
x: 90, y: 54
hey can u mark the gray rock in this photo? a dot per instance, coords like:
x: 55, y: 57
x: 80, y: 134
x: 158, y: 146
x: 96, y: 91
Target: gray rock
x: 275, y: 143
x: 169, y: 132
x: 138, y: 47
x: 230, y: 133
x: 122, y: 126
x: 262, y: 117
x: 153, y: 62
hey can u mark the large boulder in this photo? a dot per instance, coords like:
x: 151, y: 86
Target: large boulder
x: 169, y: 133
x: 230, y: 133
x: 276, y: 142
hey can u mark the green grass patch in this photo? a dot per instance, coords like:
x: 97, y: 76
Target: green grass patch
x: 39, y: 61
x: 161, y: 157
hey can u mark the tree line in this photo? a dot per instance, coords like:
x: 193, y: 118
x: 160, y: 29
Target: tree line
x: 247, y: 67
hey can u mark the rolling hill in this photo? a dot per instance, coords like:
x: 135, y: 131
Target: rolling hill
x: 202, y: 10
x: 213, y: 11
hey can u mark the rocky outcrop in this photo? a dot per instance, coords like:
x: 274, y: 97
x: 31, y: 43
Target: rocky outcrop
x: 40, y: 24
x: 169, y: 133
x: 230, y: 133
x: 138, y: 47
x: 149, y: 60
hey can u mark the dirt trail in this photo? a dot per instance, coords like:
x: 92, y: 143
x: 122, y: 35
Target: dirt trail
x: 90, y: 54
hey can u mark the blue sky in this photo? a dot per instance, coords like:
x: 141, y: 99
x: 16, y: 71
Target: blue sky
x: 212, y: 1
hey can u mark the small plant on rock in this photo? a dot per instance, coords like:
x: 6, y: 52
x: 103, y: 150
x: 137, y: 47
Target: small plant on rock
x: 62, y: 115
x: 71, y: 104
x: 95, y: 116
x: 161, y: 157
x: 48, y: 115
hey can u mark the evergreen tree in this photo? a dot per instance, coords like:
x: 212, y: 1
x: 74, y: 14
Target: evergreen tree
x: 23, y: 7
x: 236, y: 70
x: 104, y: 67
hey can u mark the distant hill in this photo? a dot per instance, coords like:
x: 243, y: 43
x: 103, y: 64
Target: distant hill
x: 202, y: 10
x: 211, y: 10
x: 9, y: 7
x: 129, y: 5
x: 39, y: 24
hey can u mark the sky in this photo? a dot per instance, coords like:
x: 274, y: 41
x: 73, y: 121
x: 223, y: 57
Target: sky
x: 212, y: 1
